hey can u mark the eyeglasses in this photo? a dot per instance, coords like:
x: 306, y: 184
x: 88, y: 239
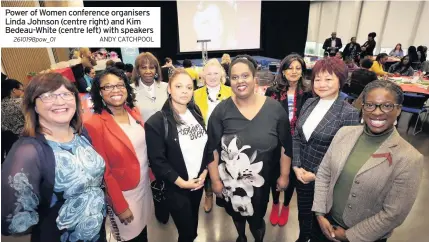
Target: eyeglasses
x: 384, y: 107
x: 110, y: 88
x: 51, y: 97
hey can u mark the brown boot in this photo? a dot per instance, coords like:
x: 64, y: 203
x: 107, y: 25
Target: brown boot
x: 208, y: 203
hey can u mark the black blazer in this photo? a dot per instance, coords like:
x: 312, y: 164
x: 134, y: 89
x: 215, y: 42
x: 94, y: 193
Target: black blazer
x: 309, y: 154
x: 328, y: 41
x: 347, y: 51
x: 359, y: 79
x: 165, y: 156
x: 273, y: 92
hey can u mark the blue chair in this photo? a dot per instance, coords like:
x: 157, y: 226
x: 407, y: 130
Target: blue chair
x: 414, y: 103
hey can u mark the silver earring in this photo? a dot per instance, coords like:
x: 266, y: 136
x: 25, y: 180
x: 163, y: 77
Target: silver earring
x: 395, y: 123
x: 104, y: 104
x: 361, y: 121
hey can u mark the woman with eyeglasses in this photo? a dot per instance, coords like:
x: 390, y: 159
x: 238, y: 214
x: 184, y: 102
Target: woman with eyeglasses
x: 151, y: 91
x: 369, y: 178
x: 244, y: 133
x: 207, y: 98
x: 118, y: 135
x: 177, y: 153
x: 12, y: 118
x: 52, y: 177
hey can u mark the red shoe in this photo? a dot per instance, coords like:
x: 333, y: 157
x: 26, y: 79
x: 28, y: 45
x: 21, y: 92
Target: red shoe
x: 284, y: 216
x: 274, y: 216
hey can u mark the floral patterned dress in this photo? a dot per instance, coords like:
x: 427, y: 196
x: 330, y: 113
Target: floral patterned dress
x: 76, y: 209
x: 247, y: 148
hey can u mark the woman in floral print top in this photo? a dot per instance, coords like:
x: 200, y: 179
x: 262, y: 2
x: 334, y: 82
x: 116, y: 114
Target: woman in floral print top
x: 52, y: 177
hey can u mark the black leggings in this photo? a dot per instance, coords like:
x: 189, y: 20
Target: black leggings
x: 183, y: 207
x: 142, y: 237
x: 256, y: 225
x: 288, y: 193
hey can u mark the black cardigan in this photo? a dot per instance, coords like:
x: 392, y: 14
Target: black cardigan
x: 165, y: 155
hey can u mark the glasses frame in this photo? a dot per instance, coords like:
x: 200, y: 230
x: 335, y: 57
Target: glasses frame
x: 380, y: 107
x: 117, y: 86
x: 62, y: 95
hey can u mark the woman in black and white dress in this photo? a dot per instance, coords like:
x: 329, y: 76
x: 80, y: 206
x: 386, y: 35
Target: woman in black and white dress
x: 244, y: 132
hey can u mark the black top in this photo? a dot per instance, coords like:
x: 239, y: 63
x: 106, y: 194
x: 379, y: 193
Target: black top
x: 352, y: 50
x: 246, y: 149
x: 359, y: 79
x: 165, y: 156
x: 166, y: 72
x: 370, y: 46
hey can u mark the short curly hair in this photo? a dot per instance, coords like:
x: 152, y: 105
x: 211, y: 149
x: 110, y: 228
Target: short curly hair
x: 97, y: 99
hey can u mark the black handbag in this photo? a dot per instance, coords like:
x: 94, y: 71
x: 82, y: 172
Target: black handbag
x: 158, y: 189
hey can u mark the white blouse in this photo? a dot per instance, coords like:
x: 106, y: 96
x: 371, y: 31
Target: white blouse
x: 316, y: 116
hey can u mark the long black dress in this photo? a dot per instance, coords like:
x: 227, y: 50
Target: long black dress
x: 246, y: 149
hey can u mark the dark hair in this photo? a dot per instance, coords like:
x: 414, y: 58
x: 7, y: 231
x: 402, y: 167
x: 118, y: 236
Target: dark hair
x: 352, y: 38
x: 129, y: 68
x: 372, y: 34
x: 145, y: 57
x: 120, y: 65
x: 187, y: 63
x: 366, y: 63
x: 280, y: 79
x: 389, y: 86
x: 87, y: 70
x: 110, y: 63
x: 96, y: 97
x: 39, y: 85
x: 191, y: 105
x: 168, y: 59
x: 412, y: 52
x: 401, y: 64
x: 245, y: 59
x: 400, y: 46
x: 332, y: 66
x: 7, y: 86
x: 381, y: 56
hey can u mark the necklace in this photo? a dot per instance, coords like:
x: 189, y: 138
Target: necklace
x: 217, y: 96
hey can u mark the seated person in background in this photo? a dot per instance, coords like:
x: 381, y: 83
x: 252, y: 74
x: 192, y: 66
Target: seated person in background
x: 129, y: 71
x: 425, y: 67
x: 120, y: 65
x: 402, y: 68
x: 397, y: 52
x: 84, y: 84
x: 359, y: 79
x: 110, y: 63
x: 187, y: 64
x: 377, y: 65
x: 339, y: 55
x: 167, y: 69
x: 351, y: 66
x: 369, y: 178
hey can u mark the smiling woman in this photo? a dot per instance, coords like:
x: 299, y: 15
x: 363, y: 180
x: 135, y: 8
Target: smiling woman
x: 38, y: 179
x: 369, y: 177
x: 117, y: 128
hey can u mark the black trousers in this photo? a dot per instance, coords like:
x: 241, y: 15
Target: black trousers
x: 183, y: 207
x: 318, y: 236
x: 142, y: 237
x: 288, y: 193
x: 305, y: 194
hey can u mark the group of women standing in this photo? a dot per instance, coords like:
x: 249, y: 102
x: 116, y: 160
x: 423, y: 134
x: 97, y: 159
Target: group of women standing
x: 237, y: 144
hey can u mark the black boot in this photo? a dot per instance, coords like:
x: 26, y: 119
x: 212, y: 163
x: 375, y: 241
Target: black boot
x: 259, y: 234
x: 241, y: 230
